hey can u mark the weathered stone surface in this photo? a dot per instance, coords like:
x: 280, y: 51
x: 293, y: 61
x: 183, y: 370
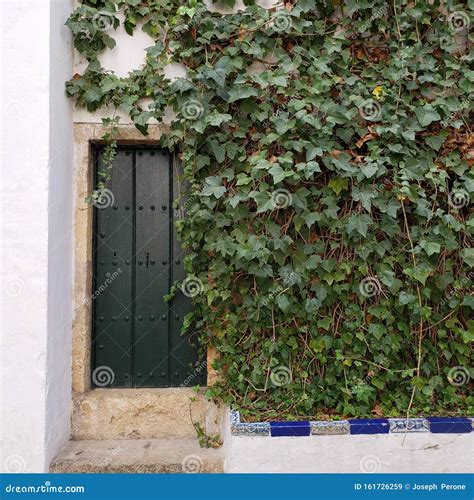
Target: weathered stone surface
x: 84, y: 135
x: 212, y: 374
x: 141, y: 413
x: 138, y: 456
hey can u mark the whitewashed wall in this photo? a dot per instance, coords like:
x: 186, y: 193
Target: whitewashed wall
x: 60, y: 237
x: 36, y: 248
x: 383, y: 453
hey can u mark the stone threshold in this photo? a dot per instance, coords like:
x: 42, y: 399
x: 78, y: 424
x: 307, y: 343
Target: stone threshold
x: 106, y: 413
x: 167, y: 455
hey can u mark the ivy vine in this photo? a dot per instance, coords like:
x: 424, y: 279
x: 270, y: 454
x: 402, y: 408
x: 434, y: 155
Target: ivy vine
x: 329, y: 151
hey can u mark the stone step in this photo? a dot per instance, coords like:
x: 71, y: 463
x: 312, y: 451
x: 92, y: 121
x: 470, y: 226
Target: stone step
x: 142, y: 414
x: 172, y: 455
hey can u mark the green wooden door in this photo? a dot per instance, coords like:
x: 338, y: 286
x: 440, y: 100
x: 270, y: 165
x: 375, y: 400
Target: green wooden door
x: 137, y: 339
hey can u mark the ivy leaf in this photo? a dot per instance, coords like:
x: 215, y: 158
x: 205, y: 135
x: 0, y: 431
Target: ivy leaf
x: 219, y: 151
x: 238, y: 93
x: 303, y: 6
x: 217, y: 119
x: 278, y: 174
x: 283, y: 302
x: 324, y: 323
x: 109, y: 41
x: 420, y: 273
x: 264, y: 201
x: 389, y: 207
x: 436, y: 141
x: 467, y: 255
x: 406, y: 298
x: 468, y: 301
x: 337, y: 184
x: 217, y: 191
x: 430, y: 247
x: 365, y: 196
x: 359, y: 224
x: 369, y: 169
x: 93, y: 95
x: 243, y: 179
x: 311, y: 218
x: 313, y: 262
x: 318, y: 345
x: 214, y: 187
x: 427, y: 114
x: 155, y: 50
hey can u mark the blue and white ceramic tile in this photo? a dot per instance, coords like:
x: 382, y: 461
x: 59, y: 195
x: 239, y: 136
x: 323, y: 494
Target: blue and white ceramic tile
x: 409, y: 425
x: 437, y: 425
x: 290, y: 429
x: 369, y: 426
x: 234, y: 417
x: 450, y: 425
x: 251, y: 429
x: 330, y: 428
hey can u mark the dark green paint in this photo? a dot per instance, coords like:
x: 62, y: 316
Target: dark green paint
x: 136, y: 259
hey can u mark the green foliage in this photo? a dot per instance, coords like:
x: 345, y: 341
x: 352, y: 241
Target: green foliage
x: 205, y: 440
x: 329, y: 217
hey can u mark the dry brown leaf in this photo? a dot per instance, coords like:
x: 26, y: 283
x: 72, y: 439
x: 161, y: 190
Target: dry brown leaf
x: 367, y: 137
x: 376, y: 410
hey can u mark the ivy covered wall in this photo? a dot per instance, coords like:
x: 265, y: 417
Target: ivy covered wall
x: 328, y: 149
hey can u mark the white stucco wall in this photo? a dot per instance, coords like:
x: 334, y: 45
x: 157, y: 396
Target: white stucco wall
x: 60, y: 216
x: 36, y: 264
x: 382, y: 453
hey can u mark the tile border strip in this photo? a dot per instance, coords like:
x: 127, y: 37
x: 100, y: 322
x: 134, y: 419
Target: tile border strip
x: 355, y: 426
